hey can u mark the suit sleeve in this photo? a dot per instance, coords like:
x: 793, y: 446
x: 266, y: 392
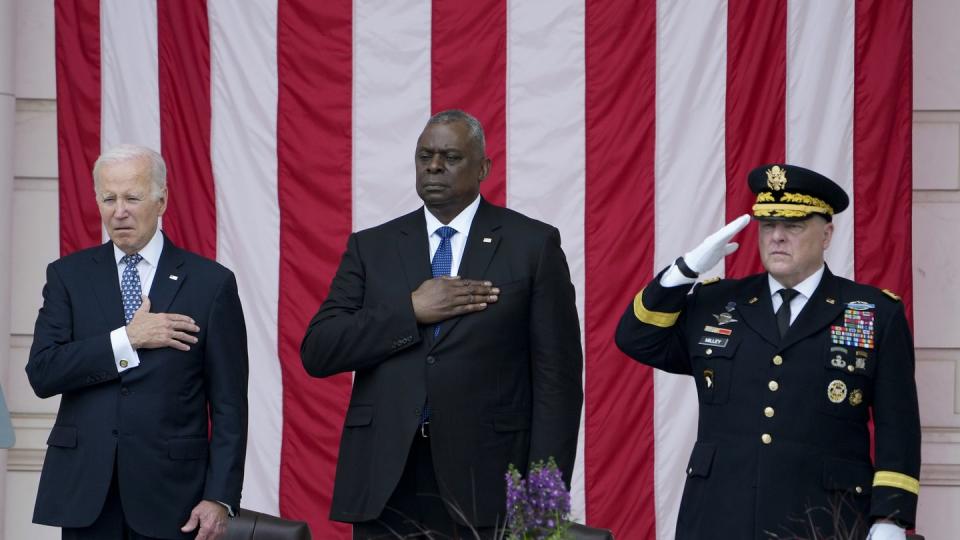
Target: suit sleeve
x: 225, y: 377
x: 896, y: 425
x: 58, y: 363
x: 347, y: 334
x: 556, y: 360
x: 651, y: 328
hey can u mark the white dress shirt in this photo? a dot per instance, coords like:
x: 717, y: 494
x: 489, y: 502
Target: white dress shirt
x: 805, y: 288
x: 458, y: 242
x: 146, y: 268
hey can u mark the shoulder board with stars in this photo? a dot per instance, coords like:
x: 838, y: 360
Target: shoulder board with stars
x: 891, y: 294
x: 710, y: 281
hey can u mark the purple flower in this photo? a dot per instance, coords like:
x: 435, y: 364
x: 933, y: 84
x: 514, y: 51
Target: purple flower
x: 538, y: 506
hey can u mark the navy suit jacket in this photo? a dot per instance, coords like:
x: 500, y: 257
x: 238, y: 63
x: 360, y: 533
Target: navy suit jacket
x: 149, y: 422
x: 504, y: 384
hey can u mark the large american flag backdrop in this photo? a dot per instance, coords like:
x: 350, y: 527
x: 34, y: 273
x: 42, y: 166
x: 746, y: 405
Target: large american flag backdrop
x: 629, y: 124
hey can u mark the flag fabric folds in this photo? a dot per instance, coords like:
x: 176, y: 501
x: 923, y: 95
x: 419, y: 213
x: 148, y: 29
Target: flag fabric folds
x: 629, y: 124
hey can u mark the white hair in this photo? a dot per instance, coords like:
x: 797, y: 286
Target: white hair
x: 132, y: 152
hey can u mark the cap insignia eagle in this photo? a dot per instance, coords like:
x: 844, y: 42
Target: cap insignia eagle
x: 776, y: 178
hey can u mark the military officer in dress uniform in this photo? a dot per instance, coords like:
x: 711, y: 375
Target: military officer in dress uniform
x: 788, y: 366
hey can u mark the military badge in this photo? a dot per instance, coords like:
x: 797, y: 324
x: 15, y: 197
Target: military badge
x: 714, y: 341
x: 857, y: 328
x: 837, y: 391
x: 776, y: 178
x: 724, y: 318
x: 838, y: 357
x: 856, y: 397
x: 708, y: 377
x: 715, y: 330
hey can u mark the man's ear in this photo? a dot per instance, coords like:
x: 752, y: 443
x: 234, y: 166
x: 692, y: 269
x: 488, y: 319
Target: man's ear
x: 484, y: 169
x: 827, y: 234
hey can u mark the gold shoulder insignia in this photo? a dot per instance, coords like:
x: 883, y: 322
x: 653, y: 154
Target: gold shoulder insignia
x: 710, y: 281
x: 891, y: 294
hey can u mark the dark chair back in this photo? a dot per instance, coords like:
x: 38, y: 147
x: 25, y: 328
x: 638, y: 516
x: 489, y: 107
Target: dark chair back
x: 250, y: 525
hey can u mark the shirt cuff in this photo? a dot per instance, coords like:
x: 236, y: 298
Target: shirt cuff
x: 229, y: 509
x: 124, y: 355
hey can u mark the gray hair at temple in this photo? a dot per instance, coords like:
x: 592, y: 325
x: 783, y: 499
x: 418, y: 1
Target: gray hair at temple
x: 131, y: 152
x: 456, y: 115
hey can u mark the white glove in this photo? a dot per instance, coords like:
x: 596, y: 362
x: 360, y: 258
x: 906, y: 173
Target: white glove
x: 886, y: 531
x: 705, y: 256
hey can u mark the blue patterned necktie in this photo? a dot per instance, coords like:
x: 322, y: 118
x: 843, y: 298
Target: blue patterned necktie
x: 130, y: 286
x: 440, y: 265
x: 442, y: 259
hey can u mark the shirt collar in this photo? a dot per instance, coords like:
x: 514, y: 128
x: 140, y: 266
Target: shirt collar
x: 461, y: 223
x: 805, y: 287
x: 150, y: 252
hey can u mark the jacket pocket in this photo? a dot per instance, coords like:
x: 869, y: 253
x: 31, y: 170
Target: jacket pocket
x: 192, y: 448
x: 511, y: 421
x: 845, y: 475
x: 701, y: 460
x: 63, y: 437
x: 359, y: 415
x: 713, y: 369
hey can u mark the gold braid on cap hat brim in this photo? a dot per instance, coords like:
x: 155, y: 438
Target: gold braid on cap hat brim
x: 790, y: 205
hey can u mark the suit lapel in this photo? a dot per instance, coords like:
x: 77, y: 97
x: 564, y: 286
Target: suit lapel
x: 106, y: 285
x: 168, y: 278
x: 414, y: 249
x: 477, y: 253
x: 820, y: 310
x: 756, y: 309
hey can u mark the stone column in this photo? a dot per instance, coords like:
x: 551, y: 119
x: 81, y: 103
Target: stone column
x: 8, y: 17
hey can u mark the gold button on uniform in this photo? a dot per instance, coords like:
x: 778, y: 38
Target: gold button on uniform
x: 777, y: 360
x: 124, y: 363
x: 773, y: 386
x: 768, y: 412
x: 766, y: 438
x: 850, y: 368
x: 858, y: 489
x: 709, y: 352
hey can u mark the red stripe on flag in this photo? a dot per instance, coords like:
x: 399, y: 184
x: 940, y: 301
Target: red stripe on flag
x: 882, y: 129
x: 314, y: 151
x: 184, y: 66
x: 756, y: 110
x: 77, y: 29
x: 620, y: 135
x: 469, y: 72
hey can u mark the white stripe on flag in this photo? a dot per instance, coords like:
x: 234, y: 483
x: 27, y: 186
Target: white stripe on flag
x: 690, y: 194
x: 129, y: 74
x: 819, y: 131
x: 391, y: 103
x: 545, y: 136
x: 243, y: 52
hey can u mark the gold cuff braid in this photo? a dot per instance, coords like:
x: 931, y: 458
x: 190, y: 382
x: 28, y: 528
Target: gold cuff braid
x: 896, y: 480
x: 656, y: 318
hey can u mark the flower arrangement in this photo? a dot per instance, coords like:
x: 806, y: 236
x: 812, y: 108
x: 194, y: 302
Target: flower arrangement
x: 538, y: 507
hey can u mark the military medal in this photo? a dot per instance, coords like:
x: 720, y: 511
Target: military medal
x: 715, y: 330
x: 724, y: 318
x: 837, y: 391
x: 856, y: 397
x: 857, y: 329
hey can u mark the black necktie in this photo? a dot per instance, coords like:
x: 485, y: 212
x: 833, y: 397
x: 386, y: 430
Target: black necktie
x: 783, y: 314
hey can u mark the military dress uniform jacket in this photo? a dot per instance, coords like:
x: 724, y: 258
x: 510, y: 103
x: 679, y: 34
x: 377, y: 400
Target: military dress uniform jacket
x: 783, y: 438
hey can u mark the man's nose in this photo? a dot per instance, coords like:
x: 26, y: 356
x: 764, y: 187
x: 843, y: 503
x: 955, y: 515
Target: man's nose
x: 121, y: 209
x: 436, y: 163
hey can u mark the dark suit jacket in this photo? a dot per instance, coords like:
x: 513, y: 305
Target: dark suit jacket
x: 151, y: 419
x: 783, y: 425
x: 504, y: 384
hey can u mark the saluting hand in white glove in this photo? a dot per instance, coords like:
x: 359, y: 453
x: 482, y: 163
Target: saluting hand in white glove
x: 705, y: 256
